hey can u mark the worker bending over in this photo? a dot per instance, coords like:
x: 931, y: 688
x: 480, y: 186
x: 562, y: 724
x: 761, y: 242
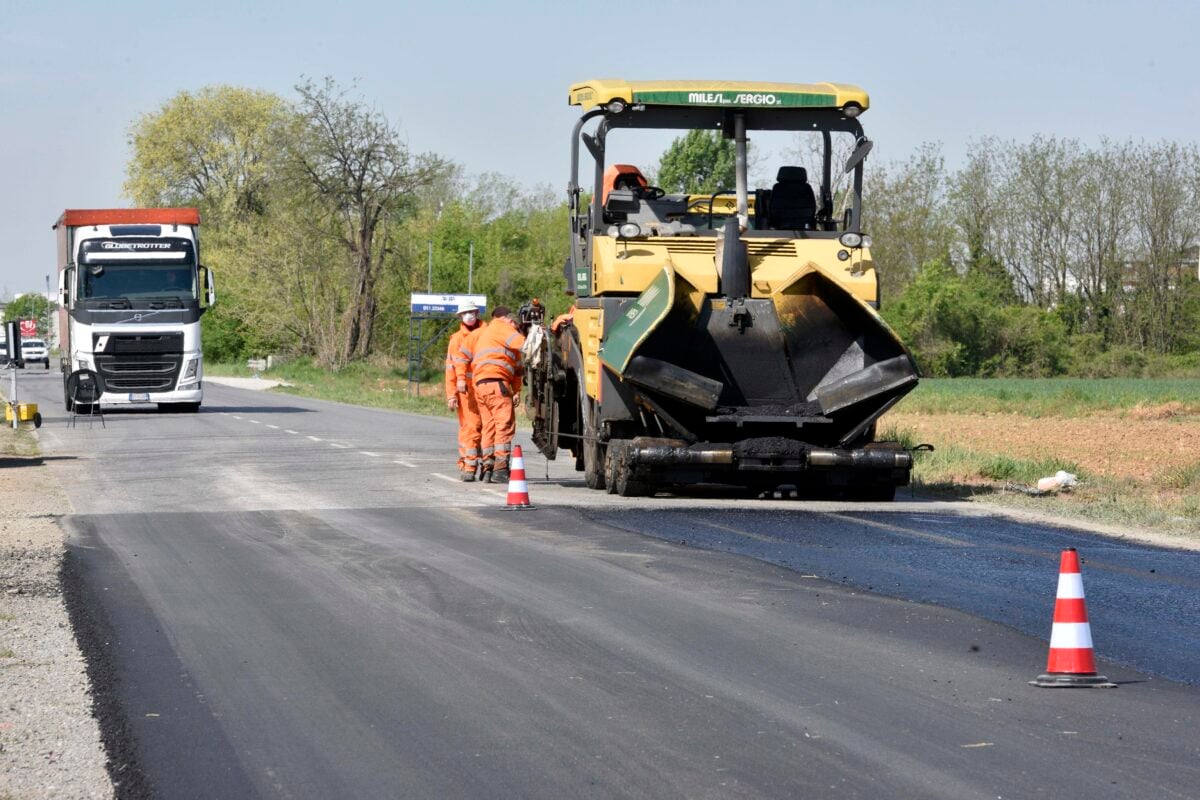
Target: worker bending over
x: 493, y: 364
x: 470, y: 425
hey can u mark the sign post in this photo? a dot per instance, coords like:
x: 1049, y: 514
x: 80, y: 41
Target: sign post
x: 13, y: 345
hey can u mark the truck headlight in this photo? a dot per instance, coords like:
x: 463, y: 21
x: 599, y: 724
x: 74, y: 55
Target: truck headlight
x: 83, y: 363
x: 190, y: 372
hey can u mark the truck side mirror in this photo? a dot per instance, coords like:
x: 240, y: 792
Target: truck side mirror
x: 64, y: 285
x: 210, y: 287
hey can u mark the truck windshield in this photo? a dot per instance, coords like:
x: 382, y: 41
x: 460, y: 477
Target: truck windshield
x: 144, y: 282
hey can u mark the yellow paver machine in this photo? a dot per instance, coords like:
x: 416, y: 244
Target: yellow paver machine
x: 732, y: 338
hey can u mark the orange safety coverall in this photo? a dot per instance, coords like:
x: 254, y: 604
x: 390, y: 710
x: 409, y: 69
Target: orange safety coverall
x: 470, y: 424
x: 493, y: 361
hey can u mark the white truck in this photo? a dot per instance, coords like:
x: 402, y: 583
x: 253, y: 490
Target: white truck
x: 132, y: 292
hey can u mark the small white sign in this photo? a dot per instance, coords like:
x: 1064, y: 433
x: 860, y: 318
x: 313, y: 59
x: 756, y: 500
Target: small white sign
x: 444, y: 303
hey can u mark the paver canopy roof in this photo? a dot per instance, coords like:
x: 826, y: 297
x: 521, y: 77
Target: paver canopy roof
x: 732, y: 94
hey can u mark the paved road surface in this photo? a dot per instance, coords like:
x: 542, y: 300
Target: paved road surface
x: 288, y: 598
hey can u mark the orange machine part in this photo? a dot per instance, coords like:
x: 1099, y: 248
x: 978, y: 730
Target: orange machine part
x: 616, y: 171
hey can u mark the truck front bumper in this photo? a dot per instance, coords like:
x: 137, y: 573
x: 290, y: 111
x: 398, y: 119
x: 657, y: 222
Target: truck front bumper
x: 192, y: 394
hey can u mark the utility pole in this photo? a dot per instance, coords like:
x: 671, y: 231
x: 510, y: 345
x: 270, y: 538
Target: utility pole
x: 49, y: 305
x: 429, y: 287
x: 471, y: 268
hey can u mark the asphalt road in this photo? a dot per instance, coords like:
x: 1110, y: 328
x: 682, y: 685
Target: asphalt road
x: 286, y: 598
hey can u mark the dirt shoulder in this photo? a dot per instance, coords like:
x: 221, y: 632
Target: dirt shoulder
x: 1140, y: 472
x: 50, y: 744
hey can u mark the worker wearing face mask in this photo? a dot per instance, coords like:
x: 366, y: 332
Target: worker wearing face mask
x: 495, y: 370
x: 462, y: 399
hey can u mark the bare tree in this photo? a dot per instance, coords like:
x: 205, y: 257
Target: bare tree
x: 1166, y: 222
x: 906, y: 213
x: 354, y: 165
x: 1099, y: 239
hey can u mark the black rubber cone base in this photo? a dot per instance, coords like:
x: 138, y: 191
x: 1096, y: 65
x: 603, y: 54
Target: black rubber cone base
x: 1065, y: 680
x: 519, y: 507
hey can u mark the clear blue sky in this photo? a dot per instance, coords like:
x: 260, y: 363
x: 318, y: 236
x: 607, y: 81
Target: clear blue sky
x: 485, y: 84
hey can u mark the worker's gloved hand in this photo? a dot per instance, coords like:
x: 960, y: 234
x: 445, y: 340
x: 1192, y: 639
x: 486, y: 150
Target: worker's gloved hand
x: 453, y: 403
x: 516, y: 401
x: 461, y: 386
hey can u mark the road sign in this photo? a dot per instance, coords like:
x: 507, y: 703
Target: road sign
x: 28, y: 327
x: 444, y: 303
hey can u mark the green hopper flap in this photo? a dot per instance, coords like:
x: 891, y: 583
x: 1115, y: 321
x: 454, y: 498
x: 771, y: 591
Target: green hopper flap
x: 628, y: 331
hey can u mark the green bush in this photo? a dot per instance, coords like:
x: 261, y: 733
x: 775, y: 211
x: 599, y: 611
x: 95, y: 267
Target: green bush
x: 972, y: 326
x: 959, y: 326
x: 222, y: 337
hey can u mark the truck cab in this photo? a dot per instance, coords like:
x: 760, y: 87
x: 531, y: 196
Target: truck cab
x: 133, y: 291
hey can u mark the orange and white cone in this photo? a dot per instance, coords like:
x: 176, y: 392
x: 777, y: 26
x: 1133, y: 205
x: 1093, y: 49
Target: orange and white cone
x: 1071, y: 662
x: 518, y: 490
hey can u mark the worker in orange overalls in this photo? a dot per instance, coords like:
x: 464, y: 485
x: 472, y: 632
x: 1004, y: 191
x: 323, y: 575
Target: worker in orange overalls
x: 493, y: 365
x: 470, y: 425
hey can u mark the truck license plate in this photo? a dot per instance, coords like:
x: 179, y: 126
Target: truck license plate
x: 139, y: 398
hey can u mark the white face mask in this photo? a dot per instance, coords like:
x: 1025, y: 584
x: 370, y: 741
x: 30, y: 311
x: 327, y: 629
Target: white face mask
x: 469, y: 318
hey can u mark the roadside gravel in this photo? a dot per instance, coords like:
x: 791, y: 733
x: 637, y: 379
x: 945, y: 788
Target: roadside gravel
x: 50, y: 745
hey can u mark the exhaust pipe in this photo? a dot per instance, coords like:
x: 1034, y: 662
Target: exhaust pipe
x: 734, y: 263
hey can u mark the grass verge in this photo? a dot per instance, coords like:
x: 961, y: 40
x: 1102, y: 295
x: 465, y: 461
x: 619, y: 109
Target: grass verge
x: 378, y: 385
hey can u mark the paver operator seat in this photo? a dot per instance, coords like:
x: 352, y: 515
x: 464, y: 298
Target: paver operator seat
x: 793, y: 205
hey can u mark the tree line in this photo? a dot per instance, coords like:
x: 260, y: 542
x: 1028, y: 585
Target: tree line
x: 1042, y: 257
x: 1033, y: 258
x: 316, y: 216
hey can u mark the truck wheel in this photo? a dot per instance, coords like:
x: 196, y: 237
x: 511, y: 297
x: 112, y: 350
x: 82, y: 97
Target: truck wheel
x: 628, y: 487
x: 612, y: 463
x: 37, y: 419
x: 593, y: 448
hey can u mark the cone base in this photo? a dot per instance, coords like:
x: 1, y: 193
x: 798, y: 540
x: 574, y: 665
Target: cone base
x: 1062, y: 680
x: 518, y: 506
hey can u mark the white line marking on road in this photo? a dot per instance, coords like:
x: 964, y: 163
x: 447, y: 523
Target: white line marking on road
x: 235, y: 416
x: 339, y: 446
x: 498, y: 494
x: 254, y: 422
x: 445, y: 477
x: 273, y: 427
x: 367, y: 453
x: 405, y: 464
x: 315, y: 439
x: 294, y: 433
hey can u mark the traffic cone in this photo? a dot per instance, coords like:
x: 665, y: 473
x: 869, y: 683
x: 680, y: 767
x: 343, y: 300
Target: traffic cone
x: 1070, y: 662
x: 518, y: 491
